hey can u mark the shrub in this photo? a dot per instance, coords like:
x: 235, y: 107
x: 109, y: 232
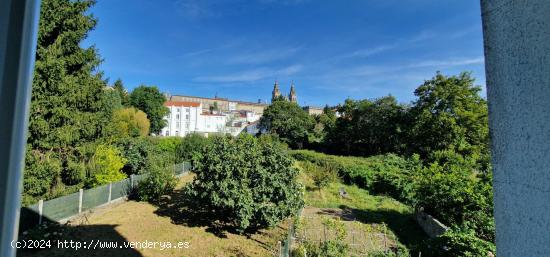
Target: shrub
x: 168, y: 144
x: 128, y: 122
x: 190, y: 145
x: 322, y: 175
x: 136, y: 151
x: 41, y: 169
x: 245, y: 183
x: 383, y: 174
x: 159, y: 180
x: 106, y: 165
x: 458, y: 242
x: 156, y: 184
x: 455, y: 196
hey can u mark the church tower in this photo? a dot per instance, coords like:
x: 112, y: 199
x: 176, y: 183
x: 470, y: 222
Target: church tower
x: 276, y: 93
x: 292, y: 96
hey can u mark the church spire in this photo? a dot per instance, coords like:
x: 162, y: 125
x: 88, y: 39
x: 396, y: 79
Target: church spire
x: 276, y: 93
x: 292, y: 96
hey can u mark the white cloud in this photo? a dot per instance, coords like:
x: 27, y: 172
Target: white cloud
x: 370, y: 51
x: 421, y: 36
x: 448, y: 63
x: 194, y: 9
x: 252, y: 75
x: 263, y: 56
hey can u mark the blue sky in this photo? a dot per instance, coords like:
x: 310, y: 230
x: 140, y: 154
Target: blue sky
x: 332, y: 50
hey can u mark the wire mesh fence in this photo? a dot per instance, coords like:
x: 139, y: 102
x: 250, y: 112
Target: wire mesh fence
x: 361, y: 239
x: 65, y: 207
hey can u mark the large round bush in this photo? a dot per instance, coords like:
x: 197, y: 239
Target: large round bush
x: 245, y: 183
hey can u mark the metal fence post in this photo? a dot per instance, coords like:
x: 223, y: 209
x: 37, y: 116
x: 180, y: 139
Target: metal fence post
x: 132, y: 181
x: 80, y: 194
x: 40, y: 212
x: 110, y: 190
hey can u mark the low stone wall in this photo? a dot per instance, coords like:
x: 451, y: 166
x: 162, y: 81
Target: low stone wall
x: 429, y: 224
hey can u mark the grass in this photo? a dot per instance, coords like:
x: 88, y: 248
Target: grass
x: 369, y: 209
x: 140, y: 221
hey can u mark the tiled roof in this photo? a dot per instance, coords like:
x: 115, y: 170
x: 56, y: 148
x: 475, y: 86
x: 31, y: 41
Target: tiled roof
x: 182, y: 104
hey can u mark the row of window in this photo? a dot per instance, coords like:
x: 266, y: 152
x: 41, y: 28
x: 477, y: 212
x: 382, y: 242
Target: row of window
x: 179, y: 110
x: 178, y: 124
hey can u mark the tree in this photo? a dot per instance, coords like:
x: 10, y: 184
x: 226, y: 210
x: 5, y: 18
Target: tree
x: 129, y: 122
x: 151, y: 101
x: 191, y: 144
x: 106, y: 165
x: 449, y: 114
x: 290, y: 122
x: 214, y: 107
x: 69, y: 104
x: 118, y: 86
x: 380, y: 124
x: 67, y: 89
x: 369, y: 127
x: 244, y: 183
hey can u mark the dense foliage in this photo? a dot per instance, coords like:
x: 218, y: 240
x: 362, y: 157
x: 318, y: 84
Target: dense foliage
x: 458, y: 242
x: 106, y: 165
x: 450, y: 190
x: 118, y: 86
x: 291, y: 123
x: 129, y: 122
x: 160, y: 178
x: 151, y: 101
x: 70, y: 103
x: 79, y: 133
x: 448, y: 114
x: 369, y: 127
x: 190, y: 145
x: 245, y: 183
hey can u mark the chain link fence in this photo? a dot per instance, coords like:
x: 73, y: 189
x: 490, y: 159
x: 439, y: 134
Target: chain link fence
x: 65, y: 207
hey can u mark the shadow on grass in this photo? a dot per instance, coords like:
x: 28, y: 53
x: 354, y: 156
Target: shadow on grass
x: 181, y: 211
x: 92, y: 240
x: 403, y: 225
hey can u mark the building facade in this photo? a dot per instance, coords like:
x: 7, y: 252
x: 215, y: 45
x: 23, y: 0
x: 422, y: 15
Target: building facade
x: 187, y: 117
x: 223, y: 104
x: 183, y: 118
x: 311, y: 110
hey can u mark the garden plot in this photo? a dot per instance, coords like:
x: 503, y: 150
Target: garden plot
x: 314, y: 226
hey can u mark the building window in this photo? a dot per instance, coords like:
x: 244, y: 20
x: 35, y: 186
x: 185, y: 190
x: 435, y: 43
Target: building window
x: 187, y: 110
x: 177, y: 125
x: 178, y: 110
x: 177, y: 116
x: 177, y: 133
x: 167, y: 133
x: 187, y: 116
x: 187, y: 125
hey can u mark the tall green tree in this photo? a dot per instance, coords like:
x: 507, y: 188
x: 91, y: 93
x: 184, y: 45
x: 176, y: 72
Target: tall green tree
x: 291, y: 123
x: 369, y: 127
x: 67, y: 88
x: 118, y: 86
x: 151, y: 101
x: 449, y: 115
x: 70, y: 105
